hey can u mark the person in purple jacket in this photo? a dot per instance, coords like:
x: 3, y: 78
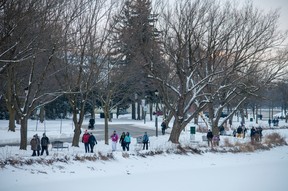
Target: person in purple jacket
x: 114, y: 138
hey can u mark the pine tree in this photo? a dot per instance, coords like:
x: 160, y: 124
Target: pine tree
x: 134, y: 45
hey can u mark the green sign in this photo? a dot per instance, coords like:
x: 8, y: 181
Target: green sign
x: 192, y: 130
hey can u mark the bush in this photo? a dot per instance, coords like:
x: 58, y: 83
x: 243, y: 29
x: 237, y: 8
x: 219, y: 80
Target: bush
x: 274, y: 139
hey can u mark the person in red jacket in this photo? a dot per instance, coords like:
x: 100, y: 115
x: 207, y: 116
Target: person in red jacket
x: 85, y: 140
x: 114, y: 138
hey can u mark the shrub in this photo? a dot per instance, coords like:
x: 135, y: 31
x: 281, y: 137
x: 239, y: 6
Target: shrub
x: 274, y: 139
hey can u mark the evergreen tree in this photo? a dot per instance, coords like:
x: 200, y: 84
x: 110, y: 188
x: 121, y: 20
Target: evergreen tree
x: 134, y: 42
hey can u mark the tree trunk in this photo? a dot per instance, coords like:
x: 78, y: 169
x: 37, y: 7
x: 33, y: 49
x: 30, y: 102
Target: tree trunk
x: 175, y: 133
x: 242, y: 115
x: 138, y: 111
x: 77, y: 133
x: 77, y: 129
x: 12, y: 114
x: 106, y: 115
x: 133, y: 110
x: 151, y: 111
x: 42, y: 114
x: 196, y: 119
x: 23, y: 133
x: 215, y: 129
x: 256, y: 114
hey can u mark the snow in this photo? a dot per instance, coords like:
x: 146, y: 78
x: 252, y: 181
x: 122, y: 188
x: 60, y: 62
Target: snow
x: 260, y: 170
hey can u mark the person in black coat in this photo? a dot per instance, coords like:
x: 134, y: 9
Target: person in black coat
x: 239, y: 131
x: 209, y: 137
x: 164, y: 127
x: 92, y: 141
x: 91, y: 123
x: 252, y: 134
x: 44, y: 144
x: 122, y: 142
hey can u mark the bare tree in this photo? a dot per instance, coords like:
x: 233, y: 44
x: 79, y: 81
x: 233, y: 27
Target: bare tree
x: 26, y: 57
x: 85, y: 59
x: 212, y: 55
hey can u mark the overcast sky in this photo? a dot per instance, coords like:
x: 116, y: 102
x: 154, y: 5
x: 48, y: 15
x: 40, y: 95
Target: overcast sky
x: 272, y: 5
x: 268, y: 5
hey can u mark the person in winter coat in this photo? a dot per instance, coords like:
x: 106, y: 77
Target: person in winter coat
x: 209, y: 137
x: 215, y: 140
x: 239, y: 132
x: 92, y: 141
x: 122, y: 142
x: 145, y: 141
x: 163, y: 127
x: 252, y: 134
x: 44, y: 144
x: 114, y: 137
x: 38, y: 144
x: 33, y: 144
x: 85, y: 140
x: 127, y: 140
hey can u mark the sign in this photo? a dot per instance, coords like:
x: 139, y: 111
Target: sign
x: 192, y: 133
x: 192, y: 130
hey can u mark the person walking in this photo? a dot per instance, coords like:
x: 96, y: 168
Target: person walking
x: 209, y: 137
x: 163, y: 127
x: 114, y: 138
x: 239, y: 132
x: 44, y: 144
x: 145, y: 141
x: 122, y: 142
x: 85, y: 140
x: 33, y: 144
x: 38, y: 144
x: 127, y: 140
x: 92, y: 142
x: 252, y: 134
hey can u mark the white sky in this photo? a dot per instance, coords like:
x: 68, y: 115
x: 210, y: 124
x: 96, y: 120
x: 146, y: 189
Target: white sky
x: 261, y: 170
x: 268, y: 5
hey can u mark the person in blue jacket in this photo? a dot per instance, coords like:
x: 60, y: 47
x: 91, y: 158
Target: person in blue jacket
x: 145, y: 141
x: 127, y: 140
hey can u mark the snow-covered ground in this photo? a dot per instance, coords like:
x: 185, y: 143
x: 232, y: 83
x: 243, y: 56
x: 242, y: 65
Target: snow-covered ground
x: 260, y: 170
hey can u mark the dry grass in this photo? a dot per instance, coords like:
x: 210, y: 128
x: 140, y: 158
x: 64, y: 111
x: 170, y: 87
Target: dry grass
x: 269, y: 141
x: 107, y: 157
x: 86, y: 158
x: 274, y: 139
x: 227, y: 143
x: 125, y: 155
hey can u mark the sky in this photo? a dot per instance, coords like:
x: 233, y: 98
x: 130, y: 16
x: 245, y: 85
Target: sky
x: 268, y: 5
x: 260, y: 170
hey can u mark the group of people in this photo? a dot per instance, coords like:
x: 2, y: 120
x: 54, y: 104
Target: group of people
x: 256, y: 134
x: 275, y: 122
x: 213, y: 140
x: 240, y: 132
x: 37, y: 145
x: 125, y: 140
x: 89, y: 141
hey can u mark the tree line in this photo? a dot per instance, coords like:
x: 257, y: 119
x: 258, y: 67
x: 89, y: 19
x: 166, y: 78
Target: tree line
x: 199, y: 55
